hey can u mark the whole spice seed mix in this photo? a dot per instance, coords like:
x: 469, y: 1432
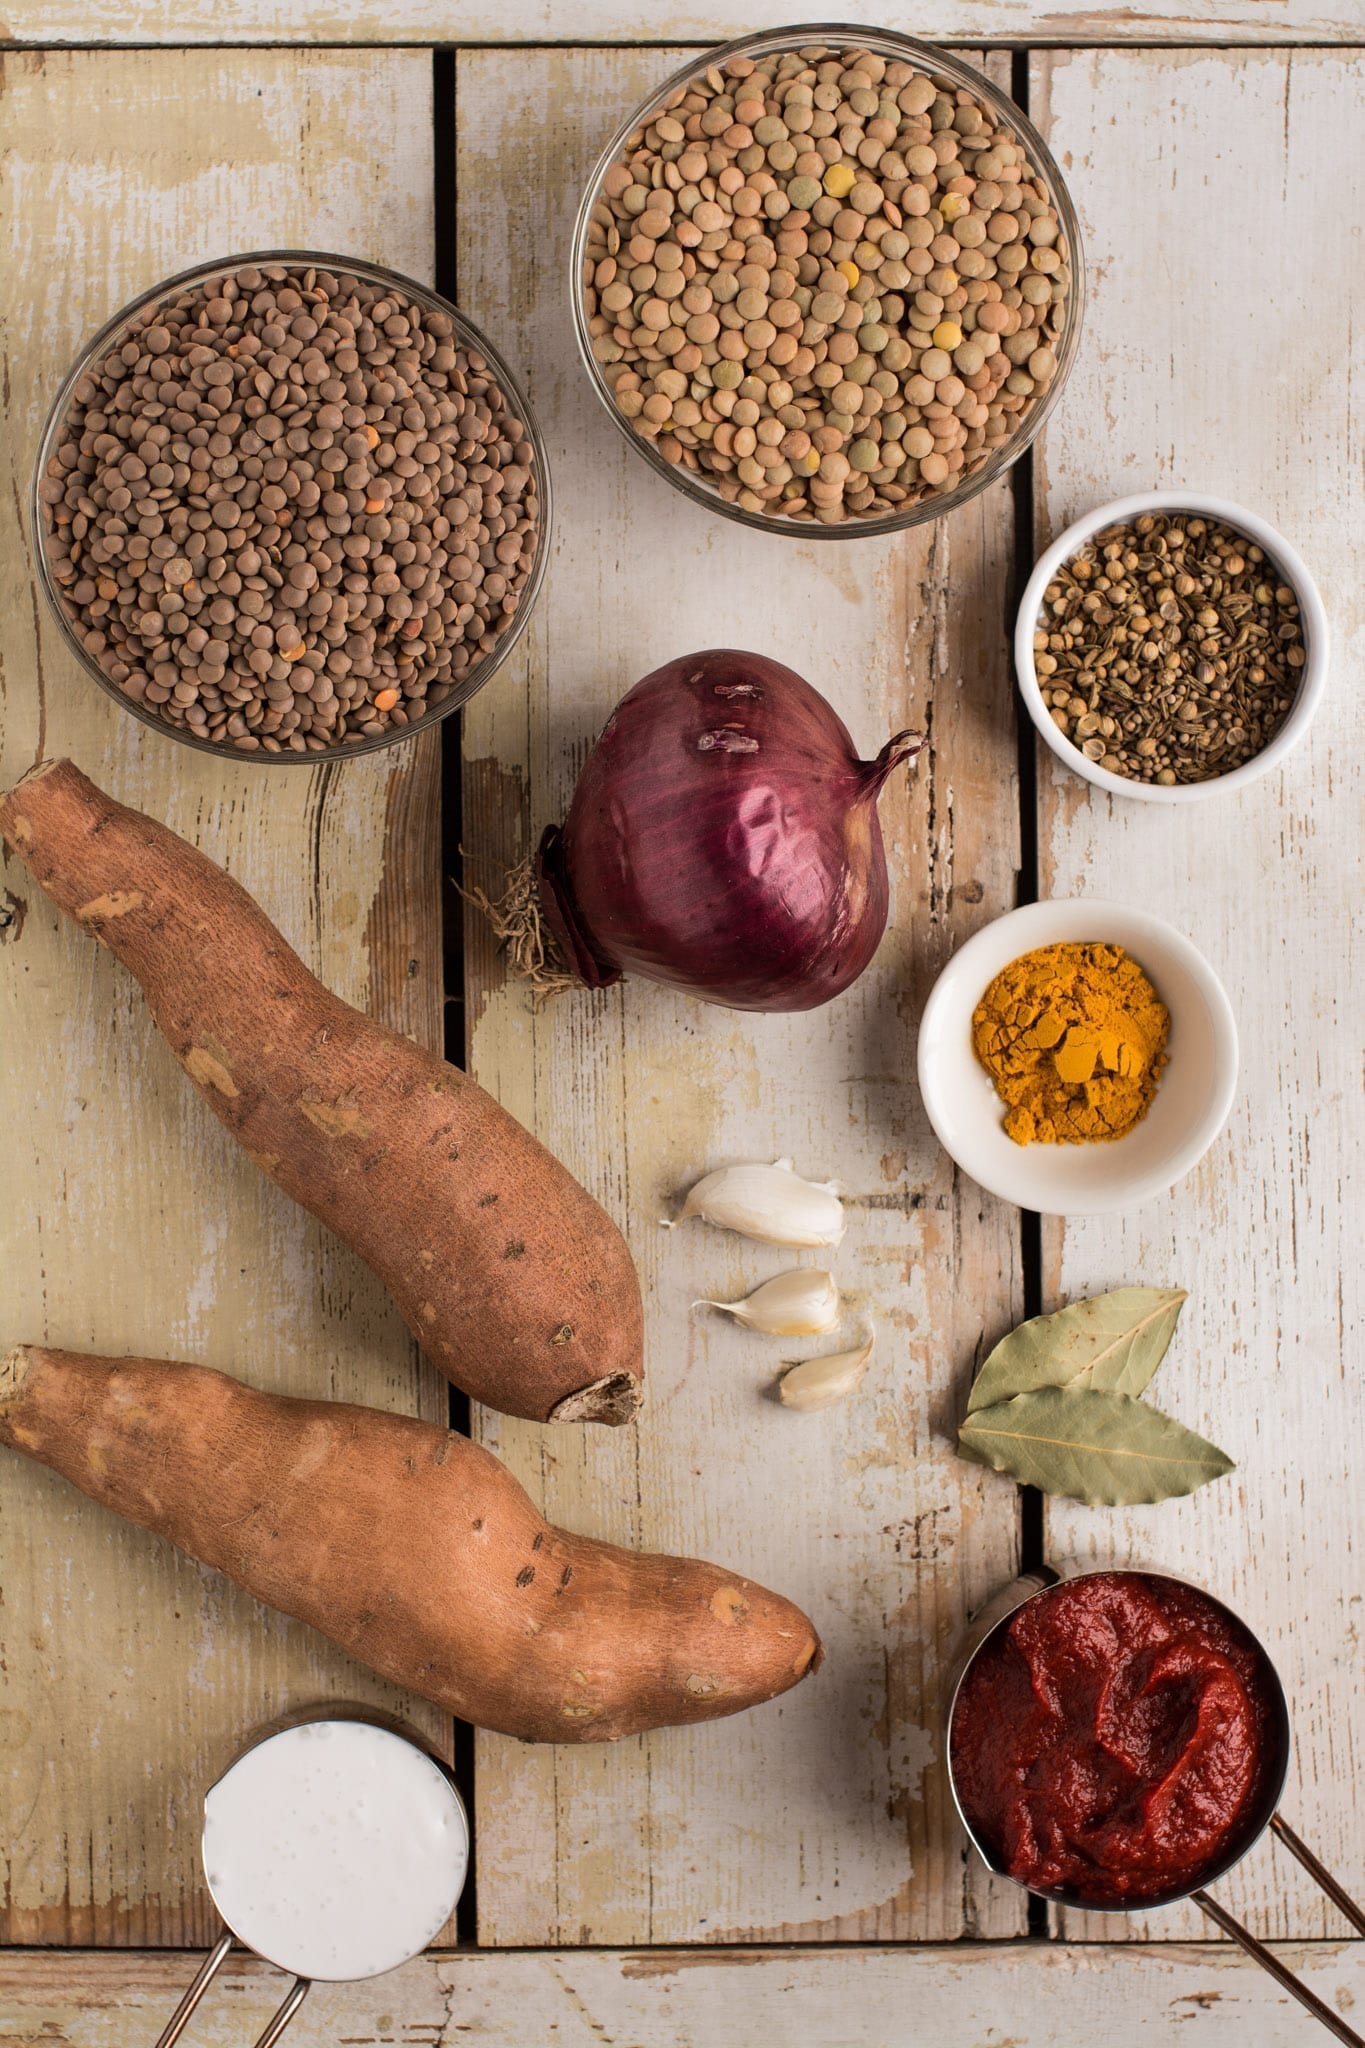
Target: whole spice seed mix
x: 826, y: 282
x: 1169, y: 650
x: 288, y: 510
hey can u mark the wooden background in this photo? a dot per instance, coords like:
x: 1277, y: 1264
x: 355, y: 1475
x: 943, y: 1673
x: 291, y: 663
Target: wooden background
x: 1218, y: 188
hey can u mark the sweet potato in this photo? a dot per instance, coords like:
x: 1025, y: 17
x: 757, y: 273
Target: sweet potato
x: 410, y: 1547
x: 512, y: 1278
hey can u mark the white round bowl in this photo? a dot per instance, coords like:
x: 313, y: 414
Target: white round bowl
x: 1188, y: 1111
x: 1292, y: 570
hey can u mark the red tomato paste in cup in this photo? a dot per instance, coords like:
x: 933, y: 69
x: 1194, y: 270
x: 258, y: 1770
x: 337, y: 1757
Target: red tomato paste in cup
x: 1114, y: 1738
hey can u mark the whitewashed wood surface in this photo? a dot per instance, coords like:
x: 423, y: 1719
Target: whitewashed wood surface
x: 130, y: 1221
x: 47, y: 22
x: 1226, y: 268
x: 968, y: 1996
x: 1193, y: 375
x: 825, y: 1814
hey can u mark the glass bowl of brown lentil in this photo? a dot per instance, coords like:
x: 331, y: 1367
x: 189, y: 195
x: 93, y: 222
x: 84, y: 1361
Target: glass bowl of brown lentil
x: 1171, y: 647
x: 794, y: 177
x: 339, y: 498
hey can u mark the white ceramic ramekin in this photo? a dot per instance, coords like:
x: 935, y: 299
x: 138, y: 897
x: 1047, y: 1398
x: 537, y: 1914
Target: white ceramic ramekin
x: 1191, y: 1103
x: 1292, y: 570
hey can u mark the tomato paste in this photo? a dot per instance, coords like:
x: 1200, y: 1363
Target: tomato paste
x: 1114, y: 1739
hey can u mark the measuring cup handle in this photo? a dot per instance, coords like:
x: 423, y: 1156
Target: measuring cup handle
x: 208, y: 1970
x: 294, y: 1998
x: 1282, y: 1974
x: 1323, y: 1879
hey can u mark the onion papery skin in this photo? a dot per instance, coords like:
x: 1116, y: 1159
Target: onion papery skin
x: 723, y: 839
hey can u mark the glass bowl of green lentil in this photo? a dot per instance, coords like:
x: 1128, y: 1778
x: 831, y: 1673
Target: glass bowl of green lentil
x: 1196, y: 711
x: 900, y: 497
x: 415, y: 712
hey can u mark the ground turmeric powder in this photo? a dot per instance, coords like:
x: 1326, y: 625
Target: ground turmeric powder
x: 1074, y: 1038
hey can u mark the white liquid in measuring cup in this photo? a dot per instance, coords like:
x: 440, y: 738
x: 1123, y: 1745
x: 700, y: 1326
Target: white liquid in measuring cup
x: 335, y: 1849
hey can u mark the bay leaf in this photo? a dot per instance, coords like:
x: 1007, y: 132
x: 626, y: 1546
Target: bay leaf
x: 1107, y: 1449
x: 1112, y: 1342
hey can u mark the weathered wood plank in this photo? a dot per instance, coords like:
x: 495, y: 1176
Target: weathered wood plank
x: 1216, y: 265
x: 824, y: 1814
x: 130, y: 1221
x: 1027, y: 1995
x: 48, y: 22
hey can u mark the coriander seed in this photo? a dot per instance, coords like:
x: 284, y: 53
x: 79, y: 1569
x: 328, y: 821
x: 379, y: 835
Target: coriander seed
x: 1168, y: 656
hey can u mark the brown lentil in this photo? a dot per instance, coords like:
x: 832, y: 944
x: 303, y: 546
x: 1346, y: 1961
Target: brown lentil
x: 1169, y: 650
x: 311, y: 466
x: 878, y: 260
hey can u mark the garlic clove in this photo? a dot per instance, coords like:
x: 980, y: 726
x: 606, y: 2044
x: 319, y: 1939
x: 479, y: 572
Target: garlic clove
x: 820, y: 1382
x: 770, y: 1203
x: 804, y: 1303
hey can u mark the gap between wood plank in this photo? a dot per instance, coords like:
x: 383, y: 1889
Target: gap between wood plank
x: 445, y: 278
x: 1030, y: 1223
x: 1031, y: 1520
x: 1043, y: 43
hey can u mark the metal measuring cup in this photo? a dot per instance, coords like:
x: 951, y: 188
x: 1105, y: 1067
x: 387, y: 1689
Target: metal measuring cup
x: 233, y: 1797
x: 1265, y: 1816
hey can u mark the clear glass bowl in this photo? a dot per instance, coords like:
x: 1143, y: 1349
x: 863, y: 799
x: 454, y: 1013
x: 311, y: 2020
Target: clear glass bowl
x: 946, y: 70
x: 468, y: 337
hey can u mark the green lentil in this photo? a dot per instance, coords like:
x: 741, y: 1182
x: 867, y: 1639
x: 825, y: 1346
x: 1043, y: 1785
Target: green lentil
x: 900, y: 296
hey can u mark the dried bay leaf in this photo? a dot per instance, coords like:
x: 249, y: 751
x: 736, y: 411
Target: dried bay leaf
x: 1112, y: 1343
x: 1104, y: 1448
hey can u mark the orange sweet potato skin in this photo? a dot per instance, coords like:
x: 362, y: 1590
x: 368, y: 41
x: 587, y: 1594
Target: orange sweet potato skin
x: 410, y: 1547
x: 515, y: 1282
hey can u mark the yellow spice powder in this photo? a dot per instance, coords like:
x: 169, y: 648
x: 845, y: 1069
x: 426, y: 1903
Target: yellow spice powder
x: 1074, y: 1038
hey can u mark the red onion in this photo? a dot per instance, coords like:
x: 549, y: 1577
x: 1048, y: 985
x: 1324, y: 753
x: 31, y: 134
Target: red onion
x: 723, y: 839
